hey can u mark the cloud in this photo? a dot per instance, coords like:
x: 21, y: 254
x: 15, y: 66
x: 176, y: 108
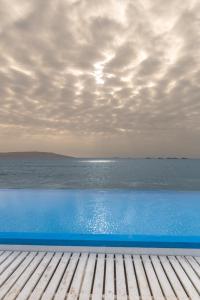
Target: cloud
x: 102, y: 69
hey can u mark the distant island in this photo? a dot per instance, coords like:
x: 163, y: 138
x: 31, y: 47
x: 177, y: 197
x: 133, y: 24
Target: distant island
x: 33, y: 154
x: 51, y: 155
x: 147, y: 157
x: 166, y: 157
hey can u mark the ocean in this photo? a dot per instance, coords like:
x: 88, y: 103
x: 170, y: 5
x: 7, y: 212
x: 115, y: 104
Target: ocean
x: 64, y: 173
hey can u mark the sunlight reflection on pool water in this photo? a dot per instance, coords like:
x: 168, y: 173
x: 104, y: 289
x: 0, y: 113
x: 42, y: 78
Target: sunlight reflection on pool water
x: 124, y: 212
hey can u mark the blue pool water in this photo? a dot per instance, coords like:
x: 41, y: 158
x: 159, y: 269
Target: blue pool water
x: 100, y: 217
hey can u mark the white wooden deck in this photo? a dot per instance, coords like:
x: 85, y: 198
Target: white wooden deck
x: 84, y: 276
x: 94, y: 276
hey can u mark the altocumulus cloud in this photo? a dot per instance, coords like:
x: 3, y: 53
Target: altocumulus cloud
x: 125, y: 74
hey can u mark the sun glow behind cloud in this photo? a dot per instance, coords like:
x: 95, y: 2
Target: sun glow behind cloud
x: 98, y: 73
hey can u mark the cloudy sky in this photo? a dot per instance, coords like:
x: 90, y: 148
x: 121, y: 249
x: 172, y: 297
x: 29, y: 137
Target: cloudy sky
x: 100, y: 78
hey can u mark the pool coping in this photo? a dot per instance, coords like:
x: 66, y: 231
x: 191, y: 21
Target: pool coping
x: 105, y: 250
x: 99, y: 240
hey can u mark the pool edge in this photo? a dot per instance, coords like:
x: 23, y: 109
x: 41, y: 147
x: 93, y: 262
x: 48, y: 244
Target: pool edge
x: 106, y: 250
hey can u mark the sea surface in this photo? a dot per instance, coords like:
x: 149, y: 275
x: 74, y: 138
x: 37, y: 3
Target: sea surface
x: 62, y: 173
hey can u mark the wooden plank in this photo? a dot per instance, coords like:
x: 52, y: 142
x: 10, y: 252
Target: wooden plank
x: 59, y: 276
x: 109, y: 278
x: 78, y: 277
x: 192, y: 292
x: 16, y: 260
x: 197, y: 259
x: 142, y: 280
x: 99, y: 278
x: 131, y: 278
x: 44, y: 280
x: 194, y: 264
x: 190, y: 272
x: 55, y: 280
x: 120, y: 278
x: 87, y: 281
x: 16, y: 274
x: 173, y: 278
x: 153, y: 281
x: 7, y: 261
x: 21, y: 281
x: 68, y: 275
x: 33, y: 280
x: 4, y: 255
x: 166, y: 287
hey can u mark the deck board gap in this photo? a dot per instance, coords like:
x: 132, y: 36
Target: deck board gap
x: 31, y: 274
x: 83, y: 275
x: 98, y: 281
x: 125, y: 277
x: 147, y: 278
x: 41, y: 275
x: 35, y: 278
x: 115, y: 277
x: 169, y: 281
x: 194, y: 265
x: 5, y: 256
x: 21, y: 282
x: 52, y: 275
x: 104, y: 275
x: 57, y: 276
x: 178, y: 277
x: 42, y: 284
x: 61, y: 277
x: 10, y: 269
x: 197, y: 259
x: 136, y: 278
x: 94, y: 273
x: 74, y: 272
x: 8, y: 261
x: 67, y: 278
x: 157, y: 278
x: 187, y: 274
x: 12, y: 279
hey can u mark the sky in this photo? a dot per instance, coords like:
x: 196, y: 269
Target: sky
x: 100, y: 78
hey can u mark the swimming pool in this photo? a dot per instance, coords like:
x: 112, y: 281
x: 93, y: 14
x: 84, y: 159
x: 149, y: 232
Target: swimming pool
x: 126, y: 218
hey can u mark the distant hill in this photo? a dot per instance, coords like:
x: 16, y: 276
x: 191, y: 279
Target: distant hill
x: 32, y: 154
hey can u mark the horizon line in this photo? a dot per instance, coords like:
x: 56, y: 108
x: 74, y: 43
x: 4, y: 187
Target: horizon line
x: 97, y: 157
